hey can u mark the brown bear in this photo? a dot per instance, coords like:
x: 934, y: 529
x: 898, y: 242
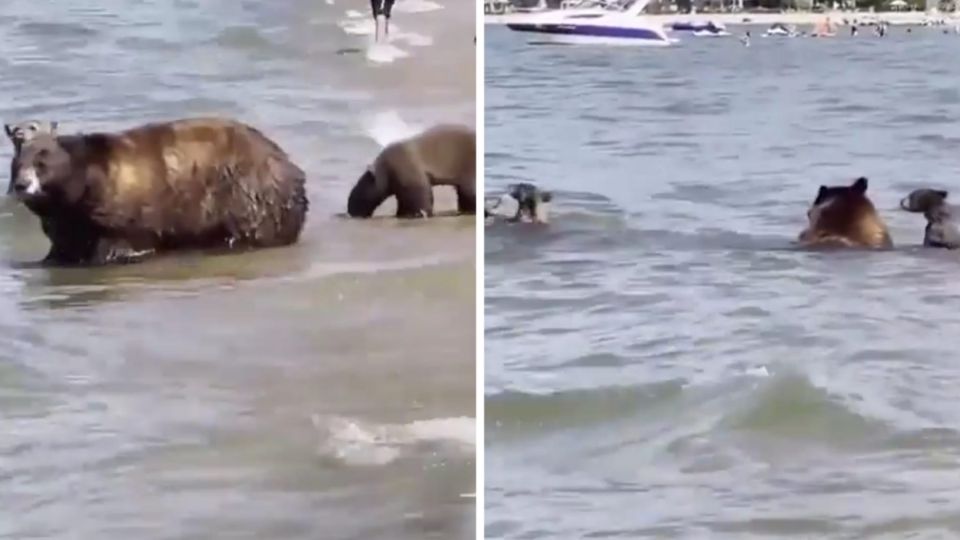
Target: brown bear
x: 843, y: 216
x: 444, y: 155
x: 187, y: 184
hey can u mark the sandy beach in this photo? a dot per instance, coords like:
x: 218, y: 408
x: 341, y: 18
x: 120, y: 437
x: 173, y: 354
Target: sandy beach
x: 766, y: 19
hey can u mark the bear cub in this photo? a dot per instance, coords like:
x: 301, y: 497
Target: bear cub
x: 941, y: 230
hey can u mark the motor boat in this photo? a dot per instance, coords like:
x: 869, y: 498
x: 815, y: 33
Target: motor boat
x: 696, y: 26
x: 712, y: 30
x: 781, y: 30
x: 616, y: 24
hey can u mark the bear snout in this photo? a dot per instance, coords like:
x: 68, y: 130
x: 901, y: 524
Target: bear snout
x: 25, y: 183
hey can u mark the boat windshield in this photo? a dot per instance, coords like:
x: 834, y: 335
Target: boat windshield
x: 587, y: 4
x: 608, y: 5
x: 628, y: 5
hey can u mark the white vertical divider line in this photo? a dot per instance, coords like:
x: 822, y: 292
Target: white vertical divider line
x: 479, y: 489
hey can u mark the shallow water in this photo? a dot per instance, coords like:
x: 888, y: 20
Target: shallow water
x: 659, y: 362
x: 301, y: 392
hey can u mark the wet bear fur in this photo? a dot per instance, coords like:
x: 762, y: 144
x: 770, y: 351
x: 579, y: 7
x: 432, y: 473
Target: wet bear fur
x: 188, y: 184
x: 444, y: 155
x: 941, y: 230
x: 843, y: 216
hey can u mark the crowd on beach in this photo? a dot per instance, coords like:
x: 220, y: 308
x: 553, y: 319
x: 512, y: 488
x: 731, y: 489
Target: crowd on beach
x: 828, y: 28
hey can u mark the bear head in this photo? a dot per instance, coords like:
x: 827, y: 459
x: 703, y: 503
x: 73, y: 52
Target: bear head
x: 533, y: 203
x: 367, y: 194
x: 522, y: 201
x: 43, y: 173
x: 929, y: 202
x: 845, y: 215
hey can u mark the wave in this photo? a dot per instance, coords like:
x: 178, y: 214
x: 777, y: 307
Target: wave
x: 789, y: 406
x: 514, y: 412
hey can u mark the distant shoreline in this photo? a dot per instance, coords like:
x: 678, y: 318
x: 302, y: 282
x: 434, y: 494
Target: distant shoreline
x: 766, y: 19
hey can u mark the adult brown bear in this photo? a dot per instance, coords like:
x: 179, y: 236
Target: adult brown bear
x: 187, y: 184
x: 444, y: 155
x: 843, y: 216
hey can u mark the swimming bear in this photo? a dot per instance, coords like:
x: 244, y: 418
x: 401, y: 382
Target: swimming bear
x: 25, y: 131
x: 532, y: 203
x: 444, y: 155
x: 843, y: 216
x: 941, y: 230
x: 188, y: 184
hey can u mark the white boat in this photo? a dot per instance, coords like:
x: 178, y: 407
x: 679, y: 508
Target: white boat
x: 619, y: 24
x: 781, y: 30
x: 693, y: 26
x: 712, y: 30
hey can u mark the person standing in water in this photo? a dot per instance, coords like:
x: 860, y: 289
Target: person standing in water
x: 381, y: 8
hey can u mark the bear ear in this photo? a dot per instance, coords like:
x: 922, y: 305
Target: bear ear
x: 821, y: 194
x: 860, y: 186
x: 9, y: 130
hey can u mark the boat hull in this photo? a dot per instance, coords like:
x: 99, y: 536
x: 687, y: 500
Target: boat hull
x: 593, y: 34
x: 707, y: 33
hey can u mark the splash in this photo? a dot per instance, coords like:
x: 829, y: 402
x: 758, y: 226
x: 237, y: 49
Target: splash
x: 387, y: 127
x: 385, y: 53
x: 359, y: 443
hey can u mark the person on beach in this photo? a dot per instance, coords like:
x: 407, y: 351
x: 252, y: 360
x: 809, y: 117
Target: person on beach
x: 381, y: 8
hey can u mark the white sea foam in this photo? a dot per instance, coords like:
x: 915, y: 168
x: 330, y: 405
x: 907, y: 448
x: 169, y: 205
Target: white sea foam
x: 357, y: 27
x: 412, y: 38
x: 760, y: 371
x: 416, y: 6
x: 386, y: 127
x: 360, y: 443
x: 385, y: 53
